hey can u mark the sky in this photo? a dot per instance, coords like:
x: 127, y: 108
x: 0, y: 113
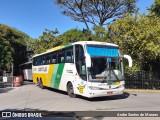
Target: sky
x: 34, y: 16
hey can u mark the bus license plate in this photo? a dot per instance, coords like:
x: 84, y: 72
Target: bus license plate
x: 110, y: 92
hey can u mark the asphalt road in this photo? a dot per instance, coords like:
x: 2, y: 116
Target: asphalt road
x: 31, y: 97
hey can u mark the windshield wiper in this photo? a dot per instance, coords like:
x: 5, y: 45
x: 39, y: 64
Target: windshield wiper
x: 114, y: 74
x: 110, y: 71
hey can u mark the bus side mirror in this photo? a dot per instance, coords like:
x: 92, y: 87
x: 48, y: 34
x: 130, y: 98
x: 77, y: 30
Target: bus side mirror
x: 129, y: 59
x: 88, y: 60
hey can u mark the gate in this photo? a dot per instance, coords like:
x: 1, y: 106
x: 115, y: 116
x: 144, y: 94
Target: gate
x: 6, y: 81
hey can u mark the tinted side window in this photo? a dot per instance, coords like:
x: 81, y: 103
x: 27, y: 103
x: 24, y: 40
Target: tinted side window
x: 43, y: 60
x: 53, y: 58
x: 39, y: 60
x: 35, y: 61
x: 60, y: 56
x: 69, y: 55
x: 48, y: 59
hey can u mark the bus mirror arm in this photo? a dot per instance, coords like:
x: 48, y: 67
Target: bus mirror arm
x: 129, y: 59
x: 88, y: 60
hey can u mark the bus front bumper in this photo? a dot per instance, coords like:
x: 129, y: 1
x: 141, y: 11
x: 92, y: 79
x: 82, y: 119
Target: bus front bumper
x: 102, y: 93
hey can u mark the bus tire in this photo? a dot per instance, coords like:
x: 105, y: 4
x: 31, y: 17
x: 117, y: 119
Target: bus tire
x: 37, y: 82
x: 70, y: 90
x: 41, y: 84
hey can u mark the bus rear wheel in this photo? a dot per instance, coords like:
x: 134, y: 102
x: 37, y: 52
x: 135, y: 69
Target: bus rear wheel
x: 70, y: 90
x: 40, y: 84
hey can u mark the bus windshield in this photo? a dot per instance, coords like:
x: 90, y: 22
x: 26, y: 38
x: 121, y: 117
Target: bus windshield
x: 105, y: 69
x: 106, y: 63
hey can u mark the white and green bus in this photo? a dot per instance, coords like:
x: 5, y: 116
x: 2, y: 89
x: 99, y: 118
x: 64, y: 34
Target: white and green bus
x: 86, y: 68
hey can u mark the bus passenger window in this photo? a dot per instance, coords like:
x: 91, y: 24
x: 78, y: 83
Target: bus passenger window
x: 35, y: 62
x: 48, y: 59
x: 68, y: 59
x: 61, y: 57
x: 39, y: 60
x: 53, y: 58
x: 43, y: 60
x: 69, y: 55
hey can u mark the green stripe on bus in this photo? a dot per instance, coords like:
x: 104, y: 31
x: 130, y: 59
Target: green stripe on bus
x: 58, y: 75
x: 68, y: 45
x: 54, y: 75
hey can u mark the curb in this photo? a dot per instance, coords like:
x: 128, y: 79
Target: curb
x: 142, y: 90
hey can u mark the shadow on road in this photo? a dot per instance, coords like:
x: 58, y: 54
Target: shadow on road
x: 5, y: 90
x: 115, y: 97
x: 107, y: 98
x: 28, y: 82
x: 57, y: 91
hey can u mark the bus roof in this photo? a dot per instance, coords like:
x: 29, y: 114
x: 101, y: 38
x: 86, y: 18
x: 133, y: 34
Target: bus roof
x: 79, y: 42
x: 95, y: 43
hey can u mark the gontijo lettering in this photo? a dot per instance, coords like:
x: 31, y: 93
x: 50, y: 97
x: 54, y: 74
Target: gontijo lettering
x: 43, y: 69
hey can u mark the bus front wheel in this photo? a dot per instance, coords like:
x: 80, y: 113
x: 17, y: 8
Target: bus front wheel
x: 70, y: 90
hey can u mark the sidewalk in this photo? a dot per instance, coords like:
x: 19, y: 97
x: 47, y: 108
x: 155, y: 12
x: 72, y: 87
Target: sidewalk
x: 142, y: 90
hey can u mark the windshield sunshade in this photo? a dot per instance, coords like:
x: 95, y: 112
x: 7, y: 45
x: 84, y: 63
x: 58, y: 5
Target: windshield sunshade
x: 102, y: 51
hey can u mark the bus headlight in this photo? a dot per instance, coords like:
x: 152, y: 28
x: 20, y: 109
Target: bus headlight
x: 94, y: 88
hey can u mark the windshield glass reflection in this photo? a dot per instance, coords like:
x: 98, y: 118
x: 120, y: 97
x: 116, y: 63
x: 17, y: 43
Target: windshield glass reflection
x: 104, y: 69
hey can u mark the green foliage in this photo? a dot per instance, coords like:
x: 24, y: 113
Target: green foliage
x: 155, y: 8
x: 138, y: 36
x: 46, y: 41
x: 100, y: 34
x: 49, y: 39
x: 13, y: 46
x: 73, y: 35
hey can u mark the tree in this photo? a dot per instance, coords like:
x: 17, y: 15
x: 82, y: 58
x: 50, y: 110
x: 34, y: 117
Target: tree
x: 138, y: 36
x: 73, y: 35
x: 155, y: 8
x: 100, y: 34
x: 46, y: 41
x: 5, y: 55
x: 13, y: 48
x: 96, y: 12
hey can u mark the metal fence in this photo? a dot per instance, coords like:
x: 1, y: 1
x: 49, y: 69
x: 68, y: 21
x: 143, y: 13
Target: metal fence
x: 143, y: 80
x: 6, y: 81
